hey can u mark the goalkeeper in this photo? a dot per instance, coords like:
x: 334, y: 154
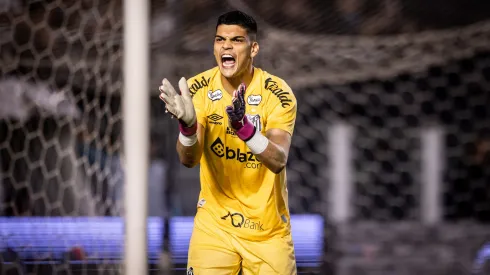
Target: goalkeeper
x: 236, y: 121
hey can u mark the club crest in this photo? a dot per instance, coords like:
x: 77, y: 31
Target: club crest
x: 255, y: 120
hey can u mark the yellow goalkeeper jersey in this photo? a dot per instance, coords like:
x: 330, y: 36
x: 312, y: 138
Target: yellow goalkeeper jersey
x: 239, y: 193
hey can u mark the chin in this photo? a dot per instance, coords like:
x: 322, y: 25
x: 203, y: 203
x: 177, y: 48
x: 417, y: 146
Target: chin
x: 228, y: 72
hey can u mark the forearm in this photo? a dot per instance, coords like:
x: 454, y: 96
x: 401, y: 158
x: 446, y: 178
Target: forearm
x: 273, y: 157
x: 189, y: 146
x: 189, y: 155
x: 271, y: 150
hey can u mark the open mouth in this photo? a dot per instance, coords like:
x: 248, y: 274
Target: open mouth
x: 227, y: 60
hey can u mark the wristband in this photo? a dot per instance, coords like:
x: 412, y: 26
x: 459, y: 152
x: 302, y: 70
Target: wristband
x: 187, y: 131
x: 187, y: 140
x: 257, y: 143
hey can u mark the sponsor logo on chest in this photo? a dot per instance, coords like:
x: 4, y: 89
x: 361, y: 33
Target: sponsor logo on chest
x: 198, y: 84
x: 234, y: 154
x: 275, y: 89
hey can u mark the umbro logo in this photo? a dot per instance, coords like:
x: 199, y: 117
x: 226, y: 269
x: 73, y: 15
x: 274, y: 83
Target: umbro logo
x: 215, y: 119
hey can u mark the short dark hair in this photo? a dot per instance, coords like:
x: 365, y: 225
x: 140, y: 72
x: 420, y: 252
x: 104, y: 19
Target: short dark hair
x: 238, y: 18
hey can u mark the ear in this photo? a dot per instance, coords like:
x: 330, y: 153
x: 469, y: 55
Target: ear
x: 254, y: 50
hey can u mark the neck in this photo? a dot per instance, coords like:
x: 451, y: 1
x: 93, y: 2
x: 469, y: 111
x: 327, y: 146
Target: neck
x: 232, y: 83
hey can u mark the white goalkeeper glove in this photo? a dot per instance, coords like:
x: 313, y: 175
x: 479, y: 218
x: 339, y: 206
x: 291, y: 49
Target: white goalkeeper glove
x: 180, y: 105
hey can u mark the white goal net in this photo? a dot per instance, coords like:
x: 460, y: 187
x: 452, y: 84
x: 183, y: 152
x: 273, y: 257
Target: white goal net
x: 60, y: 137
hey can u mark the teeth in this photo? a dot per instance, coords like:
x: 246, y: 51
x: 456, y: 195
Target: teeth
x: 227, y: 56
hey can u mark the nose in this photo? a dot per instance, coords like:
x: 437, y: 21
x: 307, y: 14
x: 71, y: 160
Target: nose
x: 227, y: 45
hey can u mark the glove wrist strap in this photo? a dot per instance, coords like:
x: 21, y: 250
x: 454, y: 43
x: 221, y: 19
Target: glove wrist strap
x: 186, y: 130
x: 246, y: 131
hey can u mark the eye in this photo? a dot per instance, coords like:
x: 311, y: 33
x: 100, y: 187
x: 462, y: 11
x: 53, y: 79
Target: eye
x: 238, y: 40
x: 218, y: 39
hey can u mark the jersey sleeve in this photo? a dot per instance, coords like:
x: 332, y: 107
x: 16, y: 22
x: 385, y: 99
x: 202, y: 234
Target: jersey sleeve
x: 282, y: 108
x: 199, y: 102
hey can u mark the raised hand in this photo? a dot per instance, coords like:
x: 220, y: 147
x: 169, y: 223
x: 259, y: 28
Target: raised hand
x: 236, y: 111
x: 179, y: 105
x: 236, y: 115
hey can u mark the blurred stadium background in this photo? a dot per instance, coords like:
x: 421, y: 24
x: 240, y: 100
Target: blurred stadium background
x: 389, y: 171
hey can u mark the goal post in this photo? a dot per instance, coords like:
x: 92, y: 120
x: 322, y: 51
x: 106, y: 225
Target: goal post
x: 136, y: 133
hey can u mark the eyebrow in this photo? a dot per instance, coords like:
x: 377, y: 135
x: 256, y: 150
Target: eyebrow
x: 235, y: 37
